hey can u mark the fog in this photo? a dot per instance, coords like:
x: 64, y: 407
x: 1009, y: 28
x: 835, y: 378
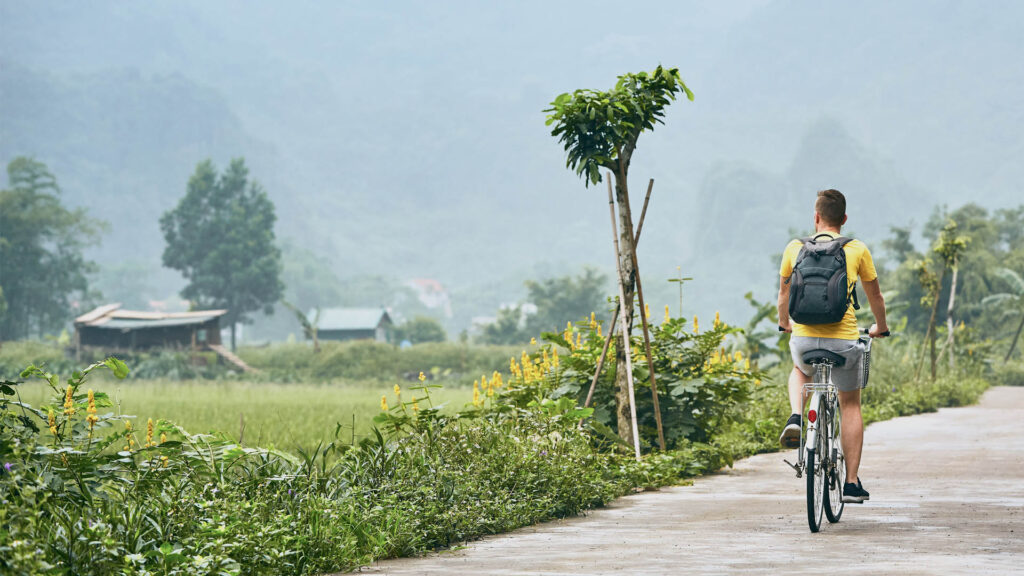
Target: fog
x: 406, y: 140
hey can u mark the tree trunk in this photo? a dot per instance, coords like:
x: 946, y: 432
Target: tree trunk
x: 626, y: 271
x: 1013, y: 344
x: 929, y: 336
x: 233, y: 325
x: 949, y: 320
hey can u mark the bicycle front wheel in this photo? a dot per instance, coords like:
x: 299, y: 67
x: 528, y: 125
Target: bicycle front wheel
x: 817, y: 458
x: 837, y: 470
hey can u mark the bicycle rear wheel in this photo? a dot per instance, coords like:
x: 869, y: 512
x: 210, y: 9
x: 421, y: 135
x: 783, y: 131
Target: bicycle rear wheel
x: 815, y: 471
x: 834, y: 505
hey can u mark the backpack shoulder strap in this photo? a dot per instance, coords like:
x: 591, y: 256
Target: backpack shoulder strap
x: 843, y: 240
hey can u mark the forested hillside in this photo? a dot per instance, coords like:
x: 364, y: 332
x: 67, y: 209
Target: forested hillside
x: 380, y: 129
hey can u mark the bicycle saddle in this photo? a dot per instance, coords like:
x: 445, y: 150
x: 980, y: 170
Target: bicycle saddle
x: 822, y: 356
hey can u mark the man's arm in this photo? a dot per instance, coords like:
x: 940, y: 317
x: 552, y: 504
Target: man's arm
x: 784, y: 321
x: 874, y: 293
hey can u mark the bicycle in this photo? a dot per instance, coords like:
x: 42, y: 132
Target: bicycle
x: 820, y: 455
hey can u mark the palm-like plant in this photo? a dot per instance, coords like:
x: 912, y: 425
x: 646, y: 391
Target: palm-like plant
x: 1011, y: 302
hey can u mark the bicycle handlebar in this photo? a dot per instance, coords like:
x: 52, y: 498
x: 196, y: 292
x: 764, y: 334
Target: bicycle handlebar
x: 862, y: 331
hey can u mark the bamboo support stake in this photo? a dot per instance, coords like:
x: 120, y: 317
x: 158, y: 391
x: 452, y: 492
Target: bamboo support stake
x: 624, y: 329
x: 650, y: 360
x: 615, y: 315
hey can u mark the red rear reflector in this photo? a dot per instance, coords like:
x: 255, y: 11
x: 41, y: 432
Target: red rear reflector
x: 812, y: 416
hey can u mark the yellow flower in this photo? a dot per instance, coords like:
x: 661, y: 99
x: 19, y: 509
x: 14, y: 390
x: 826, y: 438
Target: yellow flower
x: 163, y: 461
x: 533, y: 341
x: 599, y: 331
x: 422, y: 377
x: 647, y: 310
x: 91, y: 411
x: 415, y: 404
x: 128, y: 425
x: 51, y: 420
x: 149, y: 433
x: 163, y: 437
x: 696, y: 325
x: 554, y: 357
x: 718, y: 319
x: 384, y: 402
x: 398, y: 390
x: 69, y: 403
x: 746, y: 365
x: 496, y: 379
x: 738, y: 356
x: 579, y: 340
x: 757, y: 382
x: 593, y: 320
x: 545, y: 355
x: 667, y: 316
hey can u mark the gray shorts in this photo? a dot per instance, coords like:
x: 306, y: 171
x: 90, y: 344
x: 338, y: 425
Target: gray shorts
x: 848, y: 378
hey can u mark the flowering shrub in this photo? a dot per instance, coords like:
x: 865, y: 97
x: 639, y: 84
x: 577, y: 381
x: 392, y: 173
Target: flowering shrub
x: 699, y: 383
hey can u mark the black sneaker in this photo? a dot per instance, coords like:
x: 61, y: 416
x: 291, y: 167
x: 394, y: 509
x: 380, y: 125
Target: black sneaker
x: 791, y: 433
x: 855, y: 493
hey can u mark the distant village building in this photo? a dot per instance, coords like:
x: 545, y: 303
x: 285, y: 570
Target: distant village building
x: 353, y: 324
x: 431, y: 294
x: 113, y: 329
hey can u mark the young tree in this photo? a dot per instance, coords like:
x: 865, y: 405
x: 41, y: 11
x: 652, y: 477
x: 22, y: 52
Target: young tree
x: 599, y: 131
x: 221, y: 238
x: 41, y: 243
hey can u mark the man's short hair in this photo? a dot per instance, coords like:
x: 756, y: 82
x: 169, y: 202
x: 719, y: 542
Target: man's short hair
x: 831, y: 206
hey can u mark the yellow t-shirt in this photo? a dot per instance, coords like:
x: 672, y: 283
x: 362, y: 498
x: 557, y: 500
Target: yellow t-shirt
x: 858, y: 265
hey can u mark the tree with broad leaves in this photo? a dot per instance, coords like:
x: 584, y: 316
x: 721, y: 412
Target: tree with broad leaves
x: 599, y: 131
x: 42, y: 263
x: 221, y: 238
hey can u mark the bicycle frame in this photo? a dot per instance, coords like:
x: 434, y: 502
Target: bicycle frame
x: 821, y: 386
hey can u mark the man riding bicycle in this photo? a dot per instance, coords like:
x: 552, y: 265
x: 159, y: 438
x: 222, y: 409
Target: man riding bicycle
x: 840, y: 337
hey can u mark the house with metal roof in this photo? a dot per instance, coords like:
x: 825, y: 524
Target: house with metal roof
x: 112, y: 329
x: 353, y: 324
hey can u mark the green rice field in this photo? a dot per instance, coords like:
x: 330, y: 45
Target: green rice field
x: 283, y: 416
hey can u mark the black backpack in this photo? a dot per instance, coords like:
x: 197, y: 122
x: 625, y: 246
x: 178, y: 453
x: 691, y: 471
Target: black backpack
x: 819, y: 292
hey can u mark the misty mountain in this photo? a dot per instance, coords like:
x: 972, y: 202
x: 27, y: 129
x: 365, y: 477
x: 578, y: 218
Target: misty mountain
x: 408, y: 140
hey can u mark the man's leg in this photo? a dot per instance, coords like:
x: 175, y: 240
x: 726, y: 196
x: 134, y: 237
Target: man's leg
x: 797, y: 379
x: 853, y: 431
x: 790, y: 437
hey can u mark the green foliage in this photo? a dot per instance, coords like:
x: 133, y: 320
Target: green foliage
x: 41, y: 252
x: 698, y: 382
x: 599, y: 129
x: 419, y: 330
x: 566, y: 298
x: 368, y: 360
x: 221, y: 238
x: 557, y: 300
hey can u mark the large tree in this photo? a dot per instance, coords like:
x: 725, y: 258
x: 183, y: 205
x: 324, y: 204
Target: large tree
x: 221, y: 238
x: 42, y: 267
x: 599, y: 131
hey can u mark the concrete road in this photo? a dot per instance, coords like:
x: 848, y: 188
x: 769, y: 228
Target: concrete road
x: 947, y: 497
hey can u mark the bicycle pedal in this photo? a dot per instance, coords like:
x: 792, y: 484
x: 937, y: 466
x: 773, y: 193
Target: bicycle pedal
x: 799, y: 471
